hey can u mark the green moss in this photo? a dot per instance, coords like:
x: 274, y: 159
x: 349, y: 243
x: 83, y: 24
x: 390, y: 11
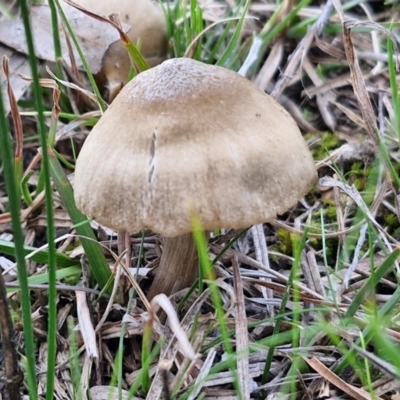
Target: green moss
x: 391, y: 219
x: 322, y: 147
x: 396, y: 233
x: 330, y: 140
x: 284, y: 241
x: 331, y: 211
x: 358, y: 176
x: 328, y: 211
x: 282, y: 245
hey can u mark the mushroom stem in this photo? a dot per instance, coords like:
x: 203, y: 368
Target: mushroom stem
x: 178, y: 267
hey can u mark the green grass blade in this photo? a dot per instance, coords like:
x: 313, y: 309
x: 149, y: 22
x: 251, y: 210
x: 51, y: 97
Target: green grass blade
x: 209, y: 274
x: 393, y: 84
x: 40, y: 279
x: 15, y: 209
x: 196, y: 26
x: 219, y: 43
x: 50, y: 231
x: 146, y: 351
x: 40, y: 256
x: 75, y: 367
x: 230, y: 49
x: 55, y: 31
x: 64, y: 273
x: 367, y: 366
x: 25, y: 189
x: 368, y: 287
x: 135, y: 56
x: 368, y: 331
x: 97, y: 262
x: 145, y: 368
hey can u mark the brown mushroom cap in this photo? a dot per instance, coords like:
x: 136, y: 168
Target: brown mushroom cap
x: 184, y: 139
x: 147, y: 22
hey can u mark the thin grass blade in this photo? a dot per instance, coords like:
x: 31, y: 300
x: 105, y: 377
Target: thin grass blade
x: 15, y: 209
x: 97, y: 262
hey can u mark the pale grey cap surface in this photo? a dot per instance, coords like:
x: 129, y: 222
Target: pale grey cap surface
x: 186, y: 138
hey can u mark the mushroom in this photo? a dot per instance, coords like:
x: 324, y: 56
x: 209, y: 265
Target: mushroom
x: 183, y: 139
x: 147, y: 22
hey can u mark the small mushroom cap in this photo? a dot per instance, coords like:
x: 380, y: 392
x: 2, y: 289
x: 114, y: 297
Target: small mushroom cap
x: 184, y: 139
x: 147, y: 22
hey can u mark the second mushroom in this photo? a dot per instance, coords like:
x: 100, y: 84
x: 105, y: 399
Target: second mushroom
x: 183, y: 139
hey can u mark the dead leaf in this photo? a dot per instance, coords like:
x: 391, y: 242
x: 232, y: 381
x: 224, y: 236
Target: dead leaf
x: 86, y: 29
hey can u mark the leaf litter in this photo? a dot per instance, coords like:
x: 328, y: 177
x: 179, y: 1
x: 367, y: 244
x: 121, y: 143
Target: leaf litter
x: 352, y: 100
